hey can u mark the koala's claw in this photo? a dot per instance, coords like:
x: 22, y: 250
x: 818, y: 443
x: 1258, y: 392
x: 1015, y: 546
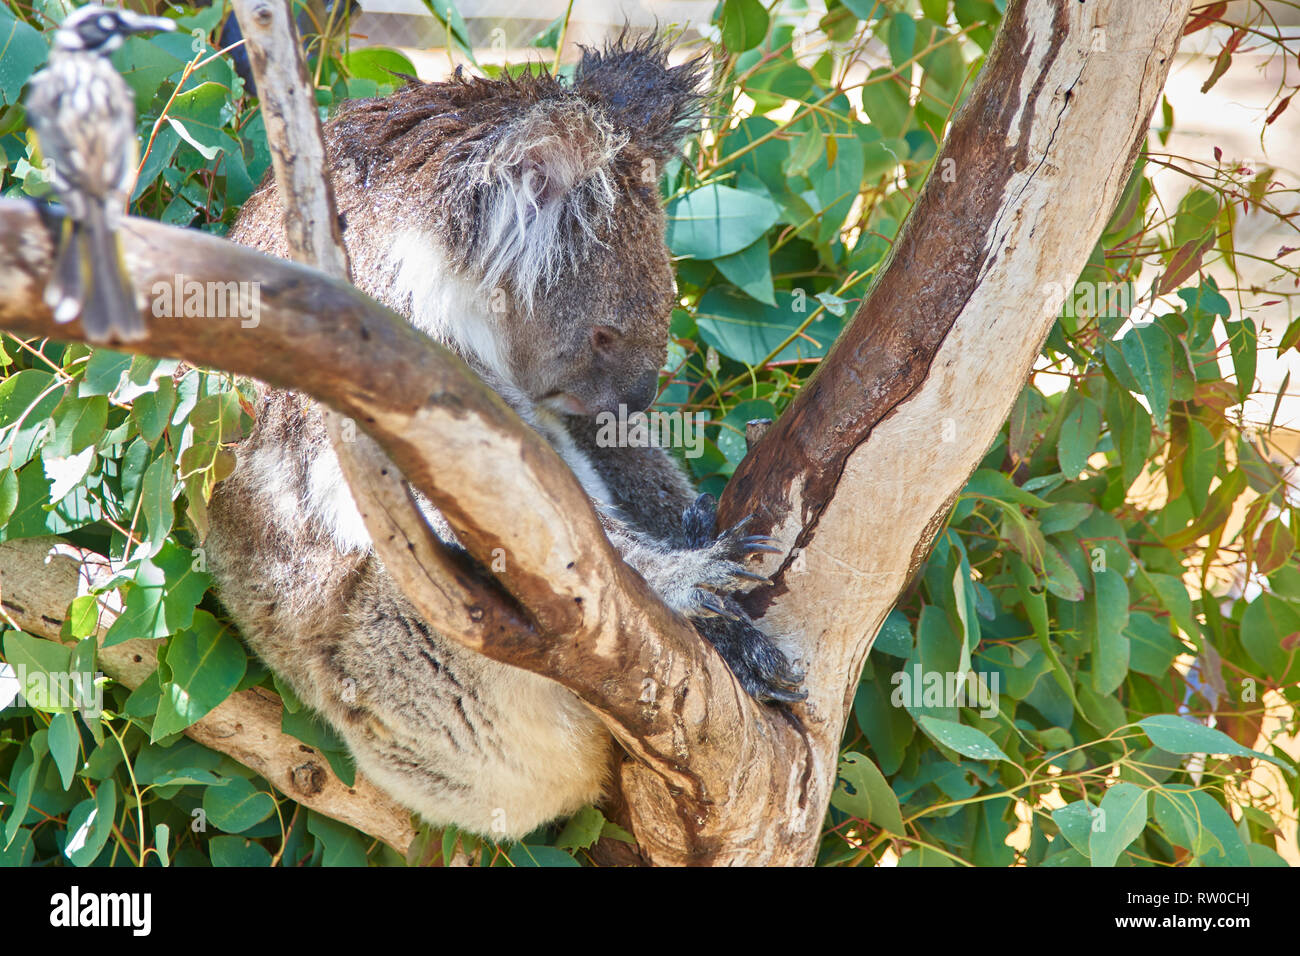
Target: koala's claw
x: 761, y: 542
x: 709, y: 601
x: 763, y: 670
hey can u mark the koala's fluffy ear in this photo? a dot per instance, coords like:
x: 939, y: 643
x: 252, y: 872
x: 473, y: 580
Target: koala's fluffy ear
x: 657, y: 105
x: 542, y: 185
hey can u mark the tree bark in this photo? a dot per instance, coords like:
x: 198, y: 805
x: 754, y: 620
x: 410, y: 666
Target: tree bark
x: 896, y: 418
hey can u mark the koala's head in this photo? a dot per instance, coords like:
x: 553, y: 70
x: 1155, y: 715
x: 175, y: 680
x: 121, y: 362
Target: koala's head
x: 544, y: 196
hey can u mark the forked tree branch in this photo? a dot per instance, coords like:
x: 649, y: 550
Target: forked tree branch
x: 858, y: 474
x: 565, y: 607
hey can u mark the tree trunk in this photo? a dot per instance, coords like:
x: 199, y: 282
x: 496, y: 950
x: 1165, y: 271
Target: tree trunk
x: 854, y: 479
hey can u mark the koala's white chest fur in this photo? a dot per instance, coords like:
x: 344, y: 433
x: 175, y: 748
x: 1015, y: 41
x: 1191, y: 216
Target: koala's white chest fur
x: 423, y: 286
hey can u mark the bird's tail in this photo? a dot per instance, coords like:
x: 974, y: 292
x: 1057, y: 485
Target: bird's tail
x: 90, y: 280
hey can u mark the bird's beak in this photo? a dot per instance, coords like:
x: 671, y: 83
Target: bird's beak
x: 138, y: 23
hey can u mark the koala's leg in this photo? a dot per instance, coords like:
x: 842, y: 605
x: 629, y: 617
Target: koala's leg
x: 449, y: 733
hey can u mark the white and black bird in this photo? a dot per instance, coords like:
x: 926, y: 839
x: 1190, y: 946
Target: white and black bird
x: 83, y: 114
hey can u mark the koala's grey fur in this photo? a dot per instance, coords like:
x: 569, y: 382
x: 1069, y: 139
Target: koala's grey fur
x: 518, y: 222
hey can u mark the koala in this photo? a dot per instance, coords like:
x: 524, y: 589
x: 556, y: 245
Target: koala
x: 518, y: 222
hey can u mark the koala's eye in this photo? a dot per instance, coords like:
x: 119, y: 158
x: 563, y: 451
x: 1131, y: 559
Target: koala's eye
x: 604, y: 338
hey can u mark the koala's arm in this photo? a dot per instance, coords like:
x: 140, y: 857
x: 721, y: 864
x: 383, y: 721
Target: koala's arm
x: 668, y: 534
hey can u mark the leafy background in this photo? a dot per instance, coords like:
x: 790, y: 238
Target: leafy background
x: 1123, y: 560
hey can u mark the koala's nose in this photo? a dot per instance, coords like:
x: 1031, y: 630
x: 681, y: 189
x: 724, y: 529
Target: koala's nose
x: 642, y: 392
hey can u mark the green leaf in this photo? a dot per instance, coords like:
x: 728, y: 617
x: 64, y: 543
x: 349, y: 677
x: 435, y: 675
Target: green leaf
x: 715, y: 221
x: 748, y: 331
x: 447, y: 14
x: 836, y: 185
x: 35, y: 516
x: 1193, y: 819
x: 22, y: 51
x: 750, y: 270
x: 43, y: 667
x: 1123, y: 817
x: 156, y: 494
x: 967, y: 741
x: 731, y: 436
x: 206, y: 664
x: 885, y: 99
x: 583, y: 829
x: 65, y: 746
x: 161, y: 598
x: 1196, y: 216
x: 1059, y: 576
x: 1108, y: 618
x: 549, y: 38
x: 161, y: 837
x: 1075, y: 820
x: 145, y: 65
x: 889, y: 729
x: 1204, y: 303
x: 895, y: 636
x: 863, y: 792
x: 1200, y: 464
x: 152, y: 410
x: 182, y: 763
x: 27, y: 399
x: 1178, y: 735
x: 314, y: 732
x: 343, y: 846
x: 83, y: 615
x: 78, y: 423
x: 237, y: 806
x: 1152, y: 648
x: 1175, y: 599
x: 987, y: 483
x: 22, y: 783
x: 744, y: 25
x: 1065, y: 516
x: 1150, y: 355
x: 1243, y: 341
x: 1264, y: 856
x: 902, y: 39
x: 529, y: 856
x: 8, y: 495
x: 90, y: 825
x: 1079, y: 433
x: 377, y: 63
x: 237, y: 851
x: 104, y: 372
x: 199, y: 117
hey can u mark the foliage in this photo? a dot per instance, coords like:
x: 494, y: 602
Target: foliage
x: 1120, y: 572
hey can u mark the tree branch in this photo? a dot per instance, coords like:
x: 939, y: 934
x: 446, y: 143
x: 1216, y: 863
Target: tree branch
x: 1040, y: 151
x: 576, y: 613
x: 861, y: 470
x: 39, y: 578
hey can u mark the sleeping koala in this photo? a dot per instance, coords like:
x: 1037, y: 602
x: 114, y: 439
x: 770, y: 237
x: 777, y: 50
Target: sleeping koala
x: 518, y: 222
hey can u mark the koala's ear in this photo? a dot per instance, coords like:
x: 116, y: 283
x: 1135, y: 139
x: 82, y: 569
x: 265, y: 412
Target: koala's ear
x: 541, y: 185
x: 657, y: 105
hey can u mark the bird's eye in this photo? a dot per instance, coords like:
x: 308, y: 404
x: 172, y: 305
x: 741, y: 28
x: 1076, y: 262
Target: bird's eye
x: 107, y: 23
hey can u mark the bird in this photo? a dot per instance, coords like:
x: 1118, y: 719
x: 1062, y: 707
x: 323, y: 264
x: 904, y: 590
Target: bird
x: 83, y: 115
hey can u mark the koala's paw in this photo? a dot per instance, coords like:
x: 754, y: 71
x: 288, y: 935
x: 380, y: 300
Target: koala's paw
x: 715, y: 566
x: 762, y: 668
